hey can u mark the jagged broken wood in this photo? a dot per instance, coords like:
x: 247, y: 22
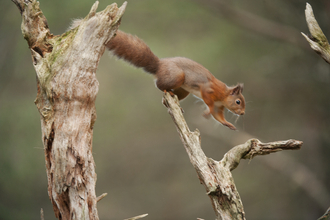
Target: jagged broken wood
x: 67, y: 88
x: 317, y: 40
x: 215, y: 175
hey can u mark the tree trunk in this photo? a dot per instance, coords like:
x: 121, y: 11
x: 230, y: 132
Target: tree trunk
x: 67, y: 89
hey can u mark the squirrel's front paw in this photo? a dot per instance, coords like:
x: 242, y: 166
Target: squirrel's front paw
x: 229, y: 125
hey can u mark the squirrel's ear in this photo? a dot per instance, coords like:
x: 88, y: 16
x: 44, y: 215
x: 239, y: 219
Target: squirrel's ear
x: 237, y: 89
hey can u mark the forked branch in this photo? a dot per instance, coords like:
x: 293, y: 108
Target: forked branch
x: 215, y: 175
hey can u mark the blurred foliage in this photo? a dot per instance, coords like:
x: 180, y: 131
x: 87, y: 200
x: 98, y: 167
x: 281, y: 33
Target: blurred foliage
x: 140, y: 160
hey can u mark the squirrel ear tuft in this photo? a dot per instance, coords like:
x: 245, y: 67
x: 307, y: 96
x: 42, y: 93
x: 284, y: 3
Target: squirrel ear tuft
x: 237, y: 89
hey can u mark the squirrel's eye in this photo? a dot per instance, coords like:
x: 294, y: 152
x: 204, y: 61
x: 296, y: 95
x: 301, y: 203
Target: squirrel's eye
x: 238, y: 101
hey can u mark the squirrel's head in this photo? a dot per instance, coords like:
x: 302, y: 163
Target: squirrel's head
x: 235, y: 101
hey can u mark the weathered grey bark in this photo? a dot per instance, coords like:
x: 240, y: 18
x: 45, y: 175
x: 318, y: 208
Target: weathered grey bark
x: 216, y: 175
x: 318, y: 41
x: 67, y: 89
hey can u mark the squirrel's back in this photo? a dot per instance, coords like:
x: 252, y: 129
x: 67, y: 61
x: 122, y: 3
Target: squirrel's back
x: 134, y: 50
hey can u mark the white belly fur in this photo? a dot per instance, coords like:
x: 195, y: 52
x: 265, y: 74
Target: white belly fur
x: 198, y: 95
x: 195, y: 92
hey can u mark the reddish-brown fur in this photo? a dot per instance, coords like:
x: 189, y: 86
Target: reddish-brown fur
x: 134, y: 50
x: 181, y: 76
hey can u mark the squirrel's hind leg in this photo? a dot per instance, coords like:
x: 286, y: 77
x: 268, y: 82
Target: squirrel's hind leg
x: 169, y: 76
x: 169, y: 82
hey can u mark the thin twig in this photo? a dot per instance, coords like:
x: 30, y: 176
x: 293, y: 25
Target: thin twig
x: 137, y: 217
x: 101, y: 197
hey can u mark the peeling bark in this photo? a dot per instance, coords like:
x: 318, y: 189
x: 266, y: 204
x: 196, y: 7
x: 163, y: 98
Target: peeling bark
x: 67, y: 88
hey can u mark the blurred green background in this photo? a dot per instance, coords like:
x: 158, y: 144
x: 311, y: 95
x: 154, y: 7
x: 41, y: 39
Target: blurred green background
x: 140, y: 161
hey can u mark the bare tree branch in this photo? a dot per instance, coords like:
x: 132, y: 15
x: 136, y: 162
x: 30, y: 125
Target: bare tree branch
x: 218, y: 183
x: 216, y: 176
x: 318, y: 41
x: 298, y: 173
x: 254, y: 147
x: 99, y: 198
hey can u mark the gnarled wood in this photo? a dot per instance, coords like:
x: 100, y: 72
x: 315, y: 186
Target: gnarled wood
x: 67, y: 89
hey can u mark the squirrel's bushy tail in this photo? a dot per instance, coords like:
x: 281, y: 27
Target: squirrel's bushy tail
x: 134, y: 50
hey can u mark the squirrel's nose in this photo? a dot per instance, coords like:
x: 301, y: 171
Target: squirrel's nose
x: 243, y: 112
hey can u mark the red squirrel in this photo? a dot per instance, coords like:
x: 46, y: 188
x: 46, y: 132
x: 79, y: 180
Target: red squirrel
x: 181, y: 76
